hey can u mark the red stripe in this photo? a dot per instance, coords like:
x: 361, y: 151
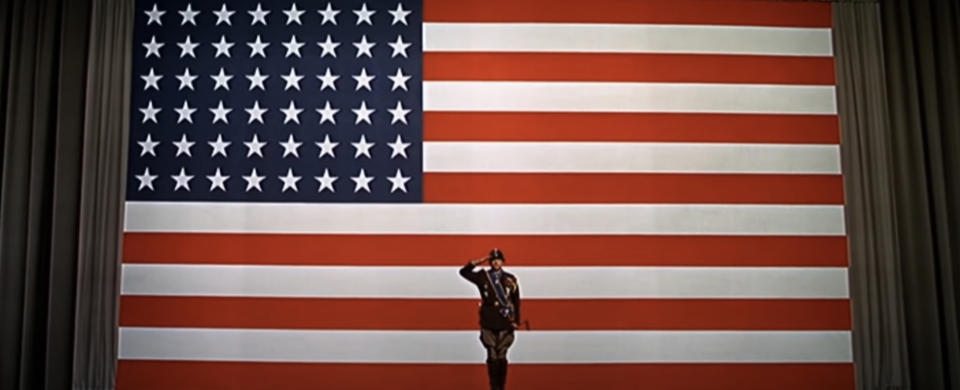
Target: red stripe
x: 628, y: 67
x: 197, y: 375
x: 756, y: 13
x: 556, y: 250
x: 460, y: 314
x: 632, y: 188
x: 630, y: 127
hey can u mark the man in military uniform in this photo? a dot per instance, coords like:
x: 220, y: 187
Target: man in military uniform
x: 499, y: 312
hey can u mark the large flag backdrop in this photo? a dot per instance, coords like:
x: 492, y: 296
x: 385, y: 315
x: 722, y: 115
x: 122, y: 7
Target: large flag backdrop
x: 306, y: 177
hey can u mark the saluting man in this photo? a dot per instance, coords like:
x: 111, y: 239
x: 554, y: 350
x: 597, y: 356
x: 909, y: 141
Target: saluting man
x: 499, y: 312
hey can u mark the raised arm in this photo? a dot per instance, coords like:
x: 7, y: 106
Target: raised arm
x: 468, y: 271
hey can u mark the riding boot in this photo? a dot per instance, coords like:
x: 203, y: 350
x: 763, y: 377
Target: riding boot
x: 493, y: 371
x: 502, y: 371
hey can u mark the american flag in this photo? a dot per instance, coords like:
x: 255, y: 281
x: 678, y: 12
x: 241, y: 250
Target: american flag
x: 305, y: 178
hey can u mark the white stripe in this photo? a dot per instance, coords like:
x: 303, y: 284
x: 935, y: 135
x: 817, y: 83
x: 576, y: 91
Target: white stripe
x: 464, y: 347
x: 625, y: 38
x: 549, y: 96
x: 384, y: 218
x: 600, y: 157
x: 446, y: 283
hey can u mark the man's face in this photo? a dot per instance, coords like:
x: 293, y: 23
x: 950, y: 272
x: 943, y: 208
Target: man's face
x: 496, y: 263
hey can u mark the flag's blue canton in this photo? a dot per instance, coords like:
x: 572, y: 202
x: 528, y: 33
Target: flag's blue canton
x: 207, y: 143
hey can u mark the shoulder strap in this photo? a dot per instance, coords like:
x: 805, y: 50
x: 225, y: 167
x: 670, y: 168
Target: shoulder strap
x: 507, y: 310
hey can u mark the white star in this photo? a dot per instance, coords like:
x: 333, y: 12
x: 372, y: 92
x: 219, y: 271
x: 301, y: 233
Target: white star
x: 399, y: 47
x: 150, y: 113
x: 188, y: 15
x: 363, y: 80
x: 293, y: 14
x: 222, y: 80
x: 399, y: 181
x: 327, y: 113
x: 185, y: 113
x: 217, y: 181
x: 363, y: 15
x: 223, y: 15
x: 219, y: 146
x: 364, y: 47
x: 362, y: 181
x: 186, y: 47
x: 258, y: 15
x: 253, y: 180
x: 363, y: 113
x: 151, y: 80
x: 255, y: 112
x: 328, y: 47
x: 148, y: 145
x: 291, y: 146
x: 293, y: 47
x: 146, y: 179
x: 256, y: 79
x: 326, y: 147
x: 291, y: 113
x: 329, y: 15
x: 399, y: 80
x: 153, y: 47
x: 220, y: 113
x: 182, y: 179
x: 328, y: 80
x: 223, y: 47
x: 363, y: 147
x: 289, y: 181
x: 258, y: 47
x: 399, y: 15
x: 186, y: 79
x: 326, y: 181
x: 292, y: 79
x: 399, y: 147
x: 154, y: 15
x: 254, y: 146
x: 183, y: 146
x: 399, y: 113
